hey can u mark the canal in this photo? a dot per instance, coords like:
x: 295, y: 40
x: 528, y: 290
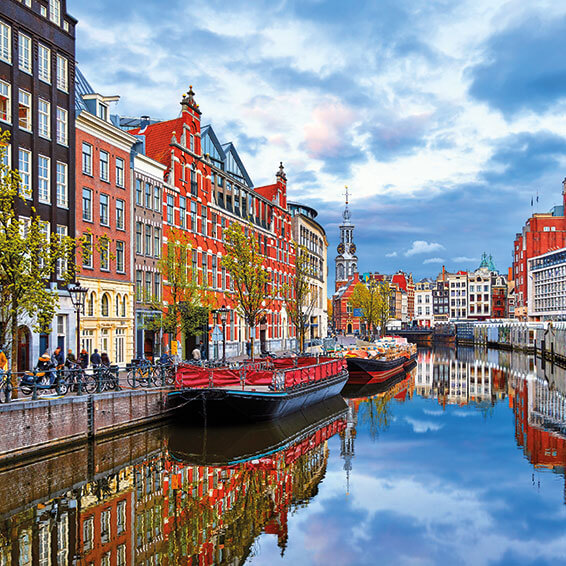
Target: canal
x: 460, y: 461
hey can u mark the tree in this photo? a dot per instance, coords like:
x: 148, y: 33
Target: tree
x: 300, y: 296
x: 248, y: 275
x: 186, y: 307
x: 372, y: 298
x: 30, y: 257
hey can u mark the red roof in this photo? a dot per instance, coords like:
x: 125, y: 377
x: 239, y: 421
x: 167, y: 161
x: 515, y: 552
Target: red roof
x: 158, y: 137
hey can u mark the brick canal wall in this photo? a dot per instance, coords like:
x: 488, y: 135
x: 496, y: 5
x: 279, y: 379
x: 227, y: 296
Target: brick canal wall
x: 45, y: 477
x: 47, y: 424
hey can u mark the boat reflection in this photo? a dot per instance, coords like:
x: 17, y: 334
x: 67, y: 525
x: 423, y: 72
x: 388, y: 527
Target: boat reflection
x: 175, y: 505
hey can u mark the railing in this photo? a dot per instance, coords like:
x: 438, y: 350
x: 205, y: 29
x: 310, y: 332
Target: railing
x: 57, y: 382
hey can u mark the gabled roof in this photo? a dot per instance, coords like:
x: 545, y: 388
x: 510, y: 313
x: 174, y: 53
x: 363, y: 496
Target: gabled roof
x: 208, y: 132
x: 82, y: 87
x: 241, y: 172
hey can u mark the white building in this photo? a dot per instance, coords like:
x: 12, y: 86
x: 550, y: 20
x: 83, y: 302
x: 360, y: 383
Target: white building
x: 423, y: 303
x: 546, y: 286
x: 458, y: 295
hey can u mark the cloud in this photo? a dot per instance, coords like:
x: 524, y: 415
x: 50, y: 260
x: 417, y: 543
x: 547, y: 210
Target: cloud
x: 422, y: 247
x: 392, y: 254
x: 420, y: 426
x: 433, y: 260
x: 465, y: 259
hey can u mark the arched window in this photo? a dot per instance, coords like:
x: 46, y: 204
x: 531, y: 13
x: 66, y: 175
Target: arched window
x: 90, y: 305
x: 124, y: 305
x: 118, y: 303
x: 340, y: 272
x: 105, y: 305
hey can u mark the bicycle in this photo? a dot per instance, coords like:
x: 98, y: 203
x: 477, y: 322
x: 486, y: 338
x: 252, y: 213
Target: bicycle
x: 78, y: 380
x: 142, y: 375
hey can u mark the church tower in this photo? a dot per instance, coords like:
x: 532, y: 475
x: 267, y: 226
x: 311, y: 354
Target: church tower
x: 346, y: 260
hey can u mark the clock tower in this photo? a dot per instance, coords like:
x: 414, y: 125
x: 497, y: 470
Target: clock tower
x: 346, y: 260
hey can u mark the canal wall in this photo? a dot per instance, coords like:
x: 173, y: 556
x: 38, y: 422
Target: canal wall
x: 48, y: 424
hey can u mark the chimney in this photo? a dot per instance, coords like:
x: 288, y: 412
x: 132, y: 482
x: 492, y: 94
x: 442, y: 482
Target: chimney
x: 144, y: 122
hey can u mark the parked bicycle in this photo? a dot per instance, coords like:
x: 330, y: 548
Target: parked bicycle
x: 142, y: 374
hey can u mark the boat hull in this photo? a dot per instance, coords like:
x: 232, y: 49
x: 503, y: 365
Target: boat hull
x: 363, y: 371
x: 220, y: 405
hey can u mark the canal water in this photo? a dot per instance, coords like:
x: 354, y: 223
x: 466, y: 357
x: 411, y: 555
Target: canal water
x: 460, y: 461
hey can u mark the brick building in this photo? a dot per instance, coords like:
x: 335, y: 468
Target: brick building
x: 37, y: 96
x: 207, y: 188
x: 542, y: 233
x: 103, y: 189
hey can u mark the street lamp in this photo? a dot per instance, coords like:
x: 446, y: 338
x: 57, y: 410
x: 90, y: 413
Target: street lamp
x: 223, y: 312
x: 78, y: 298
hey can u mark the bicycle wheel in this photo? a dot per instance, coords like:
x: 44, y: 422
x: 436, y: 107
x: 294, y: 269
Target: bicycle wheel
x: 132, y: 377
x: 88, y: 383
x: 62, y: 387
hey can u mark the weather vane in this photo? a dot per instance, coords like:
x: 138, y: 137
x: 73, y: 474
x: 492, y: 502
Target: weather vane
x: 347, y: 194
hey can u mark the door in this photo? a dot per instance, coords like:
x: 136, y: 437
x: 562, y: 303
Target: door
x: 24, y: 338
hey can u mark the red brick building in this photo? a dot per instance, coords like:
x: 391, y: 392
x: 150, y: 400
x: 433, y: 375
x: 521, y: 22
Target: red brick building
x: 344, y: 315
x: 541, y: 233
x: 207, y: 189
x: 103, y: 220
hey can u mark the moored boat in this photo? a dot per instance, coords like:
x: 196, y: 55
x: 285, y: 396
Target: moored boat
x: 255, y: 392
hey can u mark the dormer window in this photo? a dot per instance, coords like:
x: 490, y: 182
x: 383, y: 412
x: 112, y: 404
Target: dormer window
x: 103, y: 111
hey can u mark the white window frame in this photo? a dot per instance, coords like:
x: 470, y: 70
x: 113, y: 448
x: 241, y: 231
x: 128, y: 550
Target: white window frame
x: 104, y: 220
x: 90, y: 212
x: 120, y: 215
x: 44, y: 63
x: 87, y: 255
x: 44, y: 118
x: 62, y: 73
x: 121, y: 268
x: 7, y: 159
x: 62, y: 231
x: 25, y: 170
x: 87, y: 170
x: 44, y: 178
x: 24, y: 94
x: 6, y: 93
x: 62, y: 126
x: 120, y: 172
x: 5, y: 43
x: 55, y: 11
x: 62, y: 185
x: 104, y: 170
x: 24, y: 53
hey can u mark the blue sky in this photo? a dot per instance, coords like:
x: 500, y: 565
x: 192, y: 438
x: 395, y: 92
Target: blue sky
x: 443, y: 117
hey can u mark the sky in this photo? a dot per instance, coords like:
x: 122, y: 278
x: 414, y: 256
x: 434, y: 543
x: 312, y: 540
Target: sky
x: 443, y: 117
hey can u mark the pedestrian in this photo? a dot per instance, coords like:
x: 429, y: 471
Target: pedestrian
x: 196, y: 354
x: 248, y: 348
x: 95, y: 358
x: 71, y: 360
x: 57, y: 358
x: 3, y: 360
x: 83, y: 359
x: 105, y: 360
x: 165, y: 358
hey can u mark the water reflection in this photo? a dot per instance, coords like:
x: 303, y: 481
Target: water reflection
x: 434, y: 460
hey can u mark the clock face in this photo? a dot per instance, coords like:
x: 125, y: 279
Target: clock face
x: 341, y: 248
x: 352, y: 248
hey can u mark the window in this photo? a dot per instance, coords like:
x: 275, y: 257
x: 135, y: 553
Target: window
x: 62, y: 126
x: 5, y: 102
x: 5, y: 42
x: 62, y: 185
x: 120, y: 266
x: 170, y: 210
x: 213, y: 225
x: 62, y: 74
x: 204, y: 213
x: 43, y: 118
x: 24, y: 52
x: 87, y: 249
x: 139, y: 236
x: 148, y: 195
x: 148, y: 239
x: 214, y: 272
x: 194, y: 216
x: 103, y: 112
x: 43, y: 10
x: 139, y: 192
x: 119, y: 172
x: 24, y: 110
x: 124, y: 306
x: 104, y: 157
x: 157, y: 286
x: 44, y: 63
x: 61, y: 263
x: 105, y: 515
x: 104, y: 256
x: 156, y: 241
x: 87, y: 158
x: 194, y: 190
x: 55, y: 11
x: 139, y: 283
x: 43, y: 178
x: 25, y: 172
x: 205, y: 269
x: 182, y: 211
x: 147, y: 290
x: 87, y: 205
x: 156, y: 198
x: 104, y: 208
x: 120, y: 210
x: 88, y: 532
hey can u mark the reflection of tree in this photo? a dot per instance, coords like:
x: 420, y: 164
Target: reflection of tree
x: 375, y: 412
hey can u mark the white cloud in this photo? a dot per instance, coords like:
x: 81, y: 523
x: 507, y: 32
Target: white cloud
x: 422, y: 247
x: 434, y: 260
x: 423, y: 426
x: 465, y: 259
x: 392, y: 254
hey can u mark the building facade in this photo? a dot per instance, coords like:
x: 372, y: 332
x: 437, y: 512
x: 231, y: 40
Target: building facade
x: 546, y: 277
x: 309, y: 234
x: 103, y: 189
x: 37, y: 68
x: 458, y: 288
x: 424, y: 315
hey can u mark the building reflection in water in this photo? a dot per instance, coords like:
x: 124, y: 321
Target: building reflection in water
x: 162, y: 510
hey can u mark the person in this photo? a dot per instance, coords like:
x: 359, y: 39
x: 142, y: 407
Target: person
x: 248, y: 348
x: 71, y: 360
x: 83, y: 359
x: 196, y: 354
x: 165, y: 359
x: 105, y: 360
x: 45, y: 364
x: 95, y: 358
x: 3, y: 360
x: 57, y: 357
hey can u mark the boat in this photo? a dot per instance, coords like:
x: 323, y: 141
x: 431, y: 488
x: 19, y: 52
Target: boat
x: 242, y: 442
x: 256, y: 391
x: 369, y: 389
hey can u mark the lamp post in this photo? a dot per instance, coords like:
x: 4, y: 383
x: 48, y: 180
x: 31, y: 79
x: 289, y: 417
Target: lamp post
x: 223, y: 316
x: 78, y: 298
